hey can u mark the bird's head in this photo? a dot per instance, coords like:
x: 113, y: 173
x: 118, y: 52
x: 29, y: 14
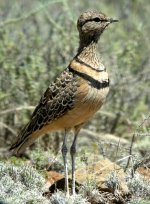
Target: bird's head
x: 92, y: 23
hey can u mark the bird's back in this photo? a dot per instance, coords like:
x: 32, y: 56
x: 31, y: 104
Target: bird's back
x: 58, y: 99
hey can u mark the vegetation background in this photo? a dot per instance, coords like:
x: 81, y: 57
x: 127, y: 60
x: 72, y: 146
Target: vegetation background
x: 38, y: 39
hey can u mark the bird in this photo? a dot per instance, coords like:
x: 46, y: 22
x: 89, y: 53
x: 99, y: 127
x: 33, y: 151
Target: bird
x: 75, y: 95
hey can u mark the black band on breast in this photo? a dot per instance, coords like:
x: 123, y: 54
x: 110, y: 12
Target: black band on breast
x: 87, y: 65
x: 92, y: 82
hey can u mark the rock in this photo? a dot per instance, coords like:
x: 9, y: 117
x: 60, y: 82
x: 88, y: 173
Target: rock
x: 60, y: 184
x: 145, y: 172
x: 107, y: 176
x: 53, y: 176
x: 57, y: 181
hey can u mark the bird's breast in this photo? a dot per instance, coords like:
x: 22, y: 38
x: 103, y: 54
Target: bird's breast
x: 92, y: 94
x: 92, y: 91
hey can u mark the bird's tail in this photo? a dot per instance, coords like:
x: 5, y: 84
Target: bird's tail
x: 24, y: 139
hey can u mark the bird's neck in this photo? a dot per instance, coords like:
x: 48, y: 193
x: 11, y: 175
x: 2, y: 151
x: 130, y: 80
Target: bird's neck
x: 87, y: 52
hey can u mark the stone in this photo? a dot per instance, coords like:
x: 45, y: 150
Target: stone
x: 107, y: 176
x: 53, y: 176
x: 145, y: 172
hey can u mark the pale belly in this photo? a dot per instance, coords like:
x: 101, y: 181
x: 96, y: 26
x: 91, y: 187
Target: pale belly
x: 83, y: 111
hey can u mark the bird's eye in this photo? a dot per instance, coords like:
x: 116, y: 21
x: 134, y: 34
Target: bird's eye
x: 96, y: 19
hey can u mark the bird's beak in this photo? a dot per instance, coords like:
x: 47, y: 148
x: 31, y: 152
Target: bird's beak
x: 110, y: 20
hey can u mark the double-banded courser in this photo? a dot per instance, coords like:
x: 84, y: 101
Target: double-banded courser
x: 76, y: 94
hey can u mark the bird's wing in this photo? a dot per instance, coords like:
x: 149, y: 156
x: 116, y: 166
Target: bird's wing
x: 55, y: 102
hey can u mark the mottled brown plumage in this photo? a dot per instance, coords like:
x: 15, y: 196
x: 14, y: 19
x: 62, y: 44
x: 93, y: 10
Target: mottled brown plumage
x: 75, y: 95
x: 55, y: 102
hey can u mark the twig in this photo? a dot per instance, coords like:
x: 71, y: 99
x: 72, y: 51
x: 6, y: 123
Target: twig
x: 102, y: 150
x: 141, y: 163
x: 25, y: 16
x: 133, y: 139
x: 4, y: 112
x: 56, y: 25
x: 124, y: 158
x: 113, y: 116
x: 117, y: 148
x: 105, y: 137
x: 130, y: 152
x: 8, y: 128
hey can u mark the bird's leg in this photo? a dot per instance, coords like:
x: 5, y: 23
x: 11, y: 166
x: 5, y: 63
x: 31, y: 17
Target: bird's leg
x: 72, y: 153
x: 64, y: 154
